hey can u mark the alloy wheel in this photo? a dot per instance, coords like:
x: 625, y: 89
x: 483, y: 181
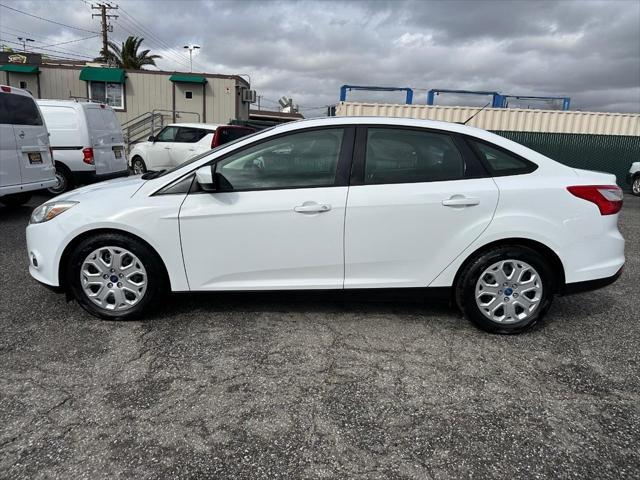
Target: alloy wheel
x: 636, y: 185
x: 508, y: 291
x: 113, y: 278
x: 61, y: 186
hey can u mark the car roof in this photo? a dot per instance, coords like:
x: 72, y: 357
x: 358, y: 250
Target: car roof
x: 207, y: 126
x: 15, y: 91
x: 48, y: 102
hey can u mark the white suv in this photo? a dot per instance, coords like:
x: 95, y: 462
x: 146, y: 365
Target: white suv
x: 341, y: 203
x: 633, y: 177
x: 25, y: 155
x: 178, y: 142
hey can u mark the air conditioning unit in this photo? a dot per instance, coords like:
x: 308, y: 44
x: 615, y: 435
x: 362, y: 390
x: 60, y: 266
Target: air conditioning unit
x: 248, y: 96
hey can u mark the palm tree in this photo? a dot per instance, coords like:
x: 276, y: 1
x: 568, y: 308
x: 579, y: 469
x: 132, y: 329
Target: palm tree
x: 127, y: 56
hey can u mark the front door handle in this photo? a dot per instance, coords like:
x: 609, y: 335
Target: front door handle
x: 461, y: 201
x: 21, y: 134
x: 167, y: 148
x: 312, y: 208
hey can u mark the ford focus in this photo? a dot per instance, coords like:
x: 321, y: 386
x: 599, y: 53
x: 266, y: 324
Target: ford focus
x: 340, y: 203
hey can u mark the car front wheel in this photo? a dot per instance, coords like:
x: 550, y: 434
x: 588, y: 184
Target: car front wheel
x: 138, y: 166
x: 506, y: 290
x: 115, y: 277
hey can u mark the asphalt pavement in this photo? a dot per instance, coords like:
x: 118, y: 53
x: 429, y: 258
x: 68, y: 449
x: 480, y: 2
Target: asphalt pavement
x: 311, y: 385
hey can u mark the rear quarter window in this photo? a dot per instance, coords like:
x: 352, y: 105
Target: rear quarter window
x: 19, y: 110
x: 501, y: 162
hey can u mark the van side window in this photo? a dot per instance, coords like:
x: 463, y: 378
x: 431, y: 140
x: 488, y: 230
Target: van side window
x: 19, y: 110
x: 397, y: 155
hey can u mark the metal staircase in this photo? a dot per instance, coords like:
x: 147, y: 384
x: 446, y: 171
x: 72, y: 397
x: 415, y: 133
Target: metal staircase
x: 138, y: 129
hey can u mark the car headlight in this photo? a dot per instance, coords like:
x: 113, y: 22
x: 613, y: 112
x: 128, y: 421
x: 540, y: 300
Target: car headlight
x: 48, y: 211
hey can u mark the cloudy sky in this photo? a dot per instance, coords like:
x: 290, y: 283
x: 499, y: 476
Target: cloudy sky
x: 588, y: 50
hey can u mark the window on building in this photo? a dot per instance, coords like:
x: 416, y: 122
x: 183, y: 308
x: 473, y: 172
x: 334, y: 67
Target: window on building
x: 188, y: 94
x: 110, y: 93
x: 410, y: 156
x: 23, y: 85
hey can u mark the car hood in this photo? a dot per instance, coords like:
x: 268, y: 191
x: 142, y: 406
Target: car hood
x: 116, y: 188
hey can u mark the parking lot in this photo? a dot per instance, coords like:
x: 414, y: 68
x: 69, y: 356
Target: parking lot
x: 315, y: 385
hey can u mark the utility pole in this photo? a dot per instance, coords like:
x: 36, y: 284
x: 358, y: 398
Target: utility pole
x: 24, y: 41
x: 106, y: 27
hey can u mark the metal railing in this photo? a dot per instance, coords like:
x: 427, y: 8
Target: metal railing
x: 141, y: 127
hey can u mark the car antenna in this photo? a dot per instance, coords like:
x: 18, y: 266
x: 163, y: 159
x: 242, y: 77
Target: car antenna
x: 471, y: 117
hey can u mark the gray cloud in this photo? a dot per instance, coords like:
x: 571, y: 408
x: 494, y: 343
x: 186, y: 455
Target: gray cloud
x: 589, y: 50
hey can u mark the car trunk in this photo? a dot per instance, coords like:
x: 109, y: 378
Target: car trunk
x: 106, y: 139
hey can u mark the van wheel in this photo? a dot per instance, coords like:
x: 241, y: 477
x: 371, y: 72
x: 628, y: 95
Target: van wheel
x: 115, y: 277
x: 506, y: 290
x: 65, y: 180
x: 15, y: 199
x: 138, y: 166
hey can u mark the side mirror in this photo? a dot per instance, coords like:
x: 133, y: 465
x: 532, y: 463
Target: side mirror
x: 206, y: 178
x: 151, y: 138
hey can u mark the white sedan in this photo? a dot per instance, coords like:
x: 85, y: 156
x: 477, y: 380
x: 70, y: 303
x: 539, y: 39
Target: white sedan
x: 340, y: 203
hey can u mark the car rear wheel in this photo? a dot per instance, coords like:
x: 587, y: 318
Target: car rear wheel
x: 115, y: 277
x: 138, y: 166
x: 635, y: 186
x: 506, y: 290
x: 65, y: 181
x: 15, y: 199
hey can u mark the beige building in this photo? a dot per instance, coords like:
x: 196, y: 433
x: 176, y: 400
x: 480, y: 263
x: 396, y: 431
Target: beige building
x: 193, y: 97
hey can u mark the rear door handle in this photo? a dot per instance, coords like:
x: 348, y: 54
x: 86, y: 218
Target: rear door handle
x: 461, y: 201
x: 167, y: 148
x: 312, y: 208
x: 21, y: 134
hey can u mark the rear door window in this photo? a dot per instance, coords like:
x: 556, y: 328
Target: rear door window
x: 395, y: 155
x: 19, y: 110
x: 228, y: 134
x: 190, y: 134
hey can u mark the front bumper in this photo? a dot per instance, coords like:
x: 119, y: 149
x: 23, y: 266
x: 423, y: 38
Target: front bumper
x: 43, y: 240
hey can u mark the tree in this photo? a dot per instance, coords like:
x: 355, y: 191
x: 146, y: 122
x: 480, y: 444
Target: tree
x: 127, y: 55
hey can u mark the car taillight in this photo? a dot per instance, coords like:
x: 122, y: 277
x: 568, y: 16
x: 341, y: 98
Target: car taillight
x: 213, y: 141
x: 6, y: 88
x: 88, y: 155
x: 608, y: 198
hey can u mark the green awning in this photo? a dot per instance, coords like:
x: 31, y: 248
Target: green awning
x: 97, y: 74
x: 20, y: 68
x: 187, y: 79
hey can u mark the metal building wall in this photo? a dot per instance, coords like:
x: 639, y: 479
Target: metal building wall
x: 506, y: 119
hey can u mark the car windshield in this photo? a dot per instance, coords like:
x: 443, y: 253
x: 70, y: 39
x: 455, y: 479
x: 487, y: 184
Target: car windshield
x: 202, y: 155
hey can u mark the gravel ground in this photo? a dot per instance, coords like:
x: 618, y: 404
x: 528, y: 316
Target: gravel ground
x: 315, y: 386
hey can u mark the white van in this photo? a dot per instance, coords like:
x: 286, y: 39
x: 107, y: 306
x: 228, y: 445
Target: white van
x: 25, y: 157
x: 87, y: 143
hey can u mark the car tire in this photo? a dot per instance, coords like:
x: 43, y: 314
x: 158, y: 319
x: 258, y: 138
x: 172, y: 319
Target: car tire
x: 497, y: 303
x: 138, y: 166
x: 635, y: 185
x: 15, y: 199
x: 122, y: 296
x: 65, y: 181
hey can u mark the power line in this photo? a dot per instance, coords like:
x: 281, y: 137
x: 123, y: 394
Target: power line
x: 48, y: 49
x: 71, y: 41
x: 77, y: 52
x: 47, y: 20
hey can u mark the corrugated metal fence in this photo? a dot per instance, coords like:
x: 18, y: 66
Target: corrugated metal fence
x: 604, y: 141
